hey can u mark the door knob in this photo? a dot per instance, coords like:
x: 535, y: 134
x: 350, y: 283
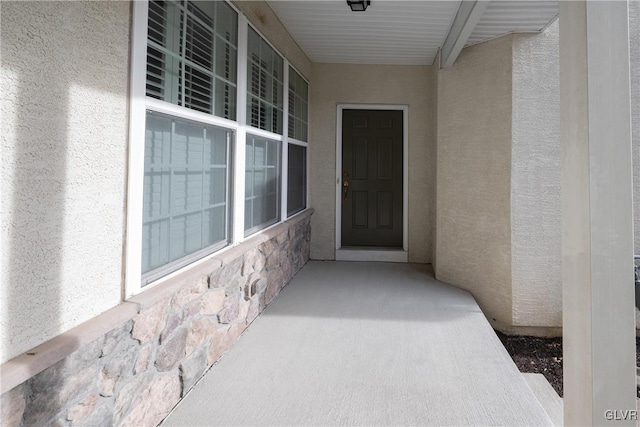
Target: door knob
x: 345, y: 188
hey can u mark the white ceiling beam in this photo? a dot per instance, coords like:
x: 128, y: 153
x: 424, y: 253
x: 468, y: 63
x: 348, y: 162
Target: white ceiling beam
x: 469, y: 13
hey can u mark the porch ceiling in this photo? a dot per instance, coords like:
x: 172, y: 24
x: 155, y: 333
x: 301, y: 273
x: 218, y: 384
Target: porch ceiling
x: 398, y: 31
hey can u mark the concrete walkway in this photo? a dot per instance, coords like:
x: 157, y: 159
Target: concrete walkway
x: 364, y: 344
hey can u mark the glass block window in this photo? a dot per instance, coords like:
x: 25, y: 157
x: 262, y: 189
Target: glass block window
x: 192, y: 55
x: 264, y: 85
x: 262, y: 184
x: 296, y: 179
x: 298, y: 106
x: 186, y: 195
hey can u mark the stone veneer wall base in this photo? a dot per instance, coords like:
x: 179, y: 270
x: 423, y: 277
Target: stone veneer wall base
x: 134, y: 372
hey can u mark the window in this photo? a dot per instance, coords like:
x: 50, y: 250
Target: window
x: 191, y: 62
x: 297, y: 179
x: 297, y: 151
x: 298, y: 106
x: 186, y: 192
x: 192, y: 145
x: 265, y: 110
x: 191, y: 55
x: 264, y: 85
x: 262, y: 184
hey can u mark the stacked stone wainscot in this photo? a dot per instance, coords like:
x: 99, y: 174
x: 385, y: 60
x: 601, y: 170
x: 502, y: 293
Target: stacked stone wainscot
x: 135, y: 373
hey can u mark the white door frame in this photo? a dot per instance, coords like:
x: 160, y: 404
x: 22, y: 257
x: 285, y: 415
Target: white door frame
x: 373, y: 254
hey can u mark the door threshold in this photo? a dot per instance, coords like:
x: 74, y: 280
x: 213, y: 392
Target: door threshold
x: 372, y: 254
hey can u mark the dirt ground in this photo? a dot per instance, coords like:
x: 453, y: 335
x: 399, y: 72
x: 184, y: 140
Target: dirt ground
x: 542, y: 356
x: 537, y: 355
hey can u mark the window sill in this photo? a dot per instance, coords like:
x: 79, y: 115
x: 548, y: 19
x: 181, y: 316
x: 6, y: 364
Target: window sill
x: 169, y: 284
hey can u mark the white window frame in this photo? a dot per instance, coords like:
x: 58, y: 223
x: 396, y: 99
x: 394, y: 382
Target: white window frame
x: 288, y: 140
x: 140, y: 103
x: 278, y: 218
x: 267, y: 134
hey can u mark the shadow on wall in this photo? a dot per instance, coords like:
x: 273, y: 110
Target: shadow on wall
x: 36, y: 155
x: 54, y: 137
x: 37, y: 192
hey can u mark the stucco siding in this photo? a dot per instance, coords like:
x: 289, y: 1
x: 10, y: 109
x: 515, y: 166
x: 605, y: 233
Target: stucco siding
x: 64, y: 144
x: 535, y: 181
x: 474, y: 175
x: 335, y: 84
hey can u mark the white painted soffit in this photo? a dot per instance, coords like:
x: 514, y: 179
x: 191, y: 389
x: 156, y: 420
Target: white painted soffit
x: 388, y: 32
x: 520, y: 16
x: 405, y: 32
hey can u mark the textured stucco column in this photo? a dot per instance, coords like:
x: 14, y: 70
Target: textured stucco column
x: 597, y: 233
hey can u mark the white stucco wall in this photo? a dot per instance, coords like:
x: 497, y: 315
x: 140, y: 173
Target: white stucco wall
x: 334, y: 84
x: 535, y: 181
x: 64, y: 86
x: 474, y: 175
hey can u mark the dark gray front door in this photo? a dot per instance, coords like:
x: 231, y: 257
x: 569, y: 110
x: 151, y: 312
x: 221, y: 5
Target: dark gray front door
x: 372, y: 178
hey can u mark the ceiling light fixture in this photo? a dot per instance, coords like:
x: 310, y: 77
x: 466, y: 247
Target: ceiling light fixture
x: 358, y: 5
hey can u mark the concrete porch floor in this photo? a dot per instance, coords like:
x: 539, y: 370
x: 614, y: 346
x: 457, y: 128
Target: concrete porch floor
x: 364, y: 344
